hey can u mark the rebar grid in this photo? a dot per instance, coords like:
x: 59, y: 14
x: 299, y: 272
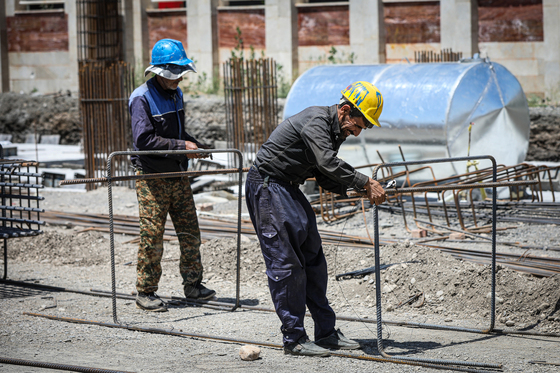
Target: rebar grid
x: 99, y: 30
x: 19, y: 193
x: 251, y: 97
x: 104, y: 91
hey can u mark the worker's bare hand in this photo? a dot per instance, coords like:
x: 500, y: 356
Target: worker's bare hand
x: 189, y: 145
x: 375, y: 192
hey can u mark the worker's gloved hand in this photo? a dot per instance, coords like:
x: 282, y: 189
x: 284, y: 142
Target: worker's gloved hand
x: 375, y: 192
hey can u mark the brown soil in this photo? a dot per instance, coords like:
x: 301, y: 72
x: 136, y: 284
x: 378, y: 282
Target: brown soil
x: 451, y: 288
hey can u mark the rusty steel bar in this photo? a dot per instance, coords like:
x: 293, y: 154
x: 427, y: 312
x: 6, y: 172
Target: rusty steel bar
x: 73, y: 368
x: 104, y: 90
x: 161, y: 152
x: 227, y: 306
x: 437, y: 188
x: 436, y: 364
x: 250, y: 89
x: 99, y: 30
x: 162, y: 175
x: 380, y: 347
x: 211, y: 228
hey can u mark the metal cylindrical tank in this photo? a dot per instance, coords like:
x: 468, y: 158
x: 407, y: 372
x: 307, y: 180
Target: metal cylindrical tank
x: 432, y: 104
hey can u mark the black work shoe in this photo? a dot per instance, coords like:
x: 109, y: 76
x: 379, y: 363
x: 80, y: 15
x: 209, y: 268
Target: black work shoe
x: 338, y: 341
x: 150, y: 302
x: 304, y: 347
x: 198, y: 291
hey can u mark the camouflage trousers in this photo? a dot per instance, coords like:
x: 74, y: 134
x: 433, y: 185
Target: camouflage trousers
x: 157, y: 198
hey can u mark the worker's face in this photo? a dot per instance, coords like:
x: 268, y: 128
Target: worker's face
x: 169, y: 84
x: 350, y: 126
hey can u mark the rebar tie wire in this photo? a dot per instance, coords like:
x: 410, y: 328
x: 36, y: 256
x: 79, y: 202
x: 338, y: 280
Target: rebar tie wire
x: 110, y: 178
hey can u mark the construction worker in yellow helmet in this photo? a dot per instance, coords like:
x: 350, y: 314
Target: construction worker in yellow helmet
x: 365, y: 99
x: 301, y: 147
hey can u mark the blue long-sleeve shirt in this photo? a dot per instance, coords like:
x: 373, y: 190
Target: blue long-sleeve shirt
x: 158, y: 123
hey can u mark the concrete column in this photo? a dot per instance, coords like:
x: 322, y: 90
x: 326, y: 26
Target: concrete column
x: 282, y: 35
x: 202, y: 37
x: 551, y: 25
x: 459, y: 26
x: 71, y: 11
x: 137, y: 38
x: 127, y: 10
x: 367, y: 31
x: 4, y: 60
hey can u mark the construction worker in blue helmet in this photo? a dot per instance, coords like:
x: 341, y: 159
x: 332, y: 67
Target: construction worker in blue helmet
x: 170, y: 61
x: 158, y: 123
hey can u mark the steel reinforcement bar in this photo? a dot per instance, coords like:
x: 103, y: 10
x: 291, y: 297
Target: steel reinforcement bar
x: 378, y: 282
x: 162, y: 175
x: 110, y: 179
x: 461, y: 366
x: 228, y: 306
x: 72, y: 368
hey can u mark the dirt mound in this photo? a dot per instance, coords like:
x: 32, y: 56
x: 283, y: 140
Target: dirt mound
x: 544, y: 142
x: 447, y: 284
x: 58, y: 114
x: 58, y: 248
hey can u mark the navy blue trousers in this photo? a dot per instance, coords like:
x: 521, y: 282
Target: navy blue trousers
x: 291, y: 246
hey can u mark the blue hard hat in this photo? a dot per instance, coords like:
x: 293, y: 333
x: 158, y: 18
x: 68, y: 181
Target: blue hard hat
x: 170, y: 60
x: 169, y: 51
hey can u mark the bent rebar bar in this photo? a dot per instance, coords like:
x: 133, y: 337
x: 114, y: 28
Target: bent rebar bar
x: 110, y: 179
x: 378, y: 263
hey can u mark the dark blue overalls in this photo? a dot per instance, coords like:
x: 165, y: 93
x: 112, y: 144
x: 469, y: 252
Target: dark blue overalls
x: 291, y: 246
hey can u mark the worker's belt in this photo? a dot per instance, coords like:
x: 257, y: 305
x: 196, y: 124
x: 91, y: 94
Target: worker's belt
x: 258, y: 176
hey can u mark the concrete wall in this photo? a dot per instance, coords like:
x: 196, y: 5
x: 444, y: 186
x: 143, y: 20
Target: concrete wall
x: 522, y: 35
x: 42, y: 51
x: 551, y: 49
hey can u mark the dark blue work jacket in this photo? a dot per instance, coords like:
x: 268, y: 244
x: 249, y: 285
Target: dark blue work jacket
x: 158, y: 123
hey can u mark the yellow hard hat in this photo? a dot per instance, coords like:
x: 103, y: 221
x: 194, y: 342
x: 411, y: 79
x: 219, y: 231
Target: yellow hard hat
x: 366, y: 98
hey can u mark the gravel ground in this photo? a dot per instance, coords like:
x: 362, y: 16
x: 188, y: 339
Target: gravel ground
x: 455, y: 293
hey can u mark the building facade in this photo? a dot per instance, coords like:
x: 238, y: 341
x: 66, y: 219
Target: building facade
x: 38, y: 44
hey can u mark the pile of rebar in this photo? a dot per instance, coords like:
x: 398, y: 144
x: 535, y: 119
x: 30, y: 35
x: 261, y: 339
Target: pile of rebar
x: 445, y: 55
